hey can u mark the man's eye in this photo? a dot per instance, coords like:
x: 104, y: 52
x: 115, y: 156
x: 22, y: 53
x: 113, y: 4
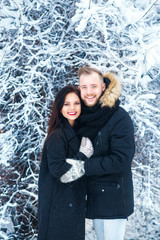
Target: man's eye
x: 94, y: 86
x: 83, y: 87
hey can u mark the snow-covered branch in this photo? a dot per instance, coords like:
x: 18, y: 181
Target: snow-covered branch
x: 42, y: 46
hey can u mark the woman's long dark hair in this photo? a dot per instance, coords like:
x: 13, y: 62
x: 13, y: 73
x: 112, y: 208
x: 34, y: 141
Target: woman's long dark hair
x: 56, y: 117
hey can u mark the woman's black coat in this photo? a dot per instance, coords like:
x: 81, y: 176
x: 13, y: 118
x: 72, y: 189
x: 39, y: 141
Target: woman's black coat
x: 61, y: 206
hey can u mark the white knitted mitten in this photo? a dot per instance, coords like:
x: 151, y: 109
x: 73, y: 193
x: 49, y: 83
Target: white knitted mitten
x: 86, y: 147
x: 75, y: 172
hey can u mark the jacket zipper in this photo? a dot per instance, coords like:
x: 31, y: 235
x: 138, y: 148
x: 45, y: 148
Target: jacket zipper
x: 99, y: 142
x: 124, y: 201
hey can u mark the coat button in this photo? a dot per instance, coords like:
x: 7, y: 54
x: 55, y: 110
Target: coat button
x: 70, y: 205
x: 102, y: 190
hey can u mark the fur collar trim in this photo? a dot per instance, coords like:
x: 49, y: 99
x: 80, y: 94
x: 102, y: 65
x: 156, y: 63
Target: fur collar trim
x: 112, y: 93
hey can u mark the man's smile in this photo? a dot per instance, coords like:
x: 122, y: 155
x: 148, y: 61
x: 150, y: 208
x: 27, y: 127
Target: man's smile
x: 90, y: 97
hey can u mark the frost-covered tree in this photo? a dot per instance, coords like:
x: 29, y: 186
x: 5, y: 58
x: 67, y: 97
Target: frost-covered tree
x: 42, y: 45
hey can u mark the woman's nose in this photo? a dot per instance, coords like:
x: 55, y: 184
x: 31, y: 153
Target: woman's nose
x: 72, y: 106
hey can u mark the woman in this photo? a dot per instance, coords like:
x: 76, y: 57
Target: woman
x: 61, y: 201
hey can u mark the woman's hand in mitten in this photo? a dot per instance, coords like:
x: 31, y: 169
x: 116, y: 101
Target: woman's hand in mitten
x: 86, y: 147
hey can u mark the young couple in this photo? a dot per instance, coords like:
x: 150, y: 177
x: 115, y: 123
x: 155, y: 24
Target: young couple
x: 88, y: 152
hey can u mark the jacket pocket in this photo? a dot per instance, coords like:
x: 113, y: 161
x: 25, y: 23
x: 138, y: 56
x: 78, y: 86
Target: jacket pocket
x: 107, y: 201
x: 105, y: 188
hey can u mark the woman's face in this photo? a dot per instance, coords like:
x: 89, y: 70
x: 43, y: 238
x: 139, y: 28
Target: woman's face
x: 71, y: 108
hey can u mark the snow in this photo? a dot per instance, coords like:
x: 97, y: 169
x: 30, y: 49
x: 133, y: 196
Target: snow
x: 41, y: 48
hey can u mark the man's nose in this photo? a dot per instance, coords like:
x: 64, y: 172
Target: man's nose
x: 89, y: 90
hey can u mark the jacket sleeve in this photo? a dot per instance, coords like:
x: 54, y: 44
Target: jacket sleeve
x: 121, y: 150
x: 56, y: 156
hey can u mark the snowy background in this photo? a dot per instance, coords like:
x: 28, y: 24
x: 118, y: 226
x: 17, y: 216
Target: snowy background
x: 42, y: 45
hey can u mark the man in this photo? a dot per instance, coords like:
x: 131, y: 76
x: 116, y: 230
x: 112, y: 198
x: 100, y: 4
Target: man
x: 110, y: 187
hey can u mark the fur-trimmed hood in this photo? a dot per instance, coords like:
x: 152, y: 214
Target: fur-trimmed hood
x: 113, y: 90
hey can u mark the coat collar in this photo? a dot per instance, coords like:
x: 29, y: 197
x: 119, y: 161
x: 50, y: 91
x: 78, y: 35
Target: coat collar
x: 72, y: 138
x: 112, y: 92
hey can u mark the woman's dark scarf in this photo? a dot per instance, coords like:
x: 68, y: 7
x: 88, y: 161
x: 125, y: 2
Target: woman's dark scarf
x: 92, y: 119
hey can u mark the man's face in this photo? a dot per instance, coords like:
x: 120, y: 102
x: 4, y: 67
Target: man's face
x: 91, y: 88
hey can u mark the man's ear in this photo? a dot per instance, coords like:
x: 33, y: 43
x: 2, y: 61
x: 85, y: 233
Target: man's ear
x: 78, y: 87
x: 104, y: 86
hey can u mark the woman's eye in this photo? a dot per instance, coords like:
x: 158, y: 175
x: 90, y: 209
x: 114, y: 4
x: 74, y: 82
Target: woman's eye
x: 66, y: 104
x: 77, y: 103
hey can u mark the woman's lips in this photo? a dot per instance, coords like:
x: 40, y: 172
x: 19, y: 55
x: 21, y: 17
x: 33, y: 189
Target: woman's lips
x: 72, y: 113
